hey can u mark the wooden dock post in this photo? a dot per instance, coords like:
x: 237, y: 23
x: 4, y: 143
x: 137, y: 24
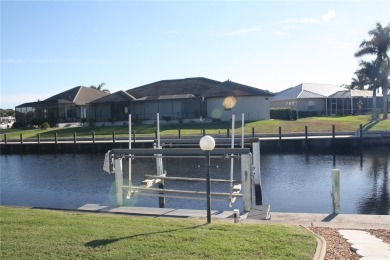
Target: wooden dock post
x: 280, y: 133
x: 119, y: 181
x: 306, y: 138
x: 279, y: 144
x: 333, y: 132
x: 21, y: 138
x: 336, y: 191
x: 246, y: 180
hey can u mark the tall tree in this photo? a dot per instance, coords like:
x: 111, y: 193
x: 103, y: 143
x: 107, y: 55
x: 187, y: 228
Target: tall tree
x: 370, y: 70
x: 379, y: 45
x: 100, y: 87
x: 359, y: 81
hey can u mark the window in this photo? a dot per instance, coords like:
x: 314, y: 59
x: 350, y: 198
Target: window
x: 311, y: 105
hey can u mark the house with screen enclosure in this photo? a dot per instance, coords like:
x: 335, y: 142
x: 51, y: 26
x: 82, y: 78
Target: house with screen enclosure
x: 311, y: 99
x: 66, y: 107
x: 354, y: 102
x: 306, y: 98
x: 111, y: 108
x: 184, y: 100
x: 177, y: 100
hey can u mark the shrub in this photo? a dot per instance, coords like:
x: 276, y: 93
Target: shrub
x: 167, y: 118
x: 19, y: 125
x: 91, y: 122
x: 284, y: 114
x: 44, y: 125
x: 303, y: 114
x: 137, y: 120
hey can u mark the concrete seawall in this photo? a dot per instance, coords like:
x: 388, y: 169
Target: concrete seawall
x: 312, y: 144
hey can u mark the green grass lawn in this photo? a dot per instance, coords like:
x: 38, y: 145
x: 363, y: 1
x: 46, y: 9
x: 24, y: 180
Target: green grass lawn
x: 43, y: 234
x: 314, y: 124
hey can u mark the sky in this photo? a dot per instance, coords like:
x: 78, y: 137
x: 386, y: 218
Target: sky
x: 48, y: 47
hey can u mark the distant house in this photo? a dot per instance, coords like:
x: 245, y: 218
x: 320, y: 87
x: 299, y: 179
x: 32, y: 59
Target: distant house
x: 180, y: 100
x: 186, y: 100
x: 306, y: 97
x: 351, y: 101
x: 68, y: 106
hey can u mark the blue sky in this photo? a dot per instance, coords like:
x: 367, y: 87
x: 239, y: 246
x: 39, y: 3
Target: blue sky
x: 50, y: 46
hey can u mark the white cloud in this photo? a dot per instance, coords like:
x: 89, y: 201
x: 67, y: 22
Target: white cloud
x: 309, y: 20
x: 328, y: 16
x: 289, y: 27
x: 242, y: 32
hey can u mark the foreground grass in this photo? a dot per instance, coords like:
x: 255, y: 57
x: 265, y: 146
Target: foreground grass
x: 314, y: 124
x: 41, y: 234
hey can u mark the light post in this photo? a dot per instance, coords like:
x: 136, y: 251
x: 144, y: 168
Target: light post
x: 207, y: 144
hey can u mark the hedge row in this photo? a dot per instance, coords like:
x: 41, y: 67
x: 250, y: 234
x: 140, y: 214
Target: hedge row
x: 283, y: 114
x: 290, y: 114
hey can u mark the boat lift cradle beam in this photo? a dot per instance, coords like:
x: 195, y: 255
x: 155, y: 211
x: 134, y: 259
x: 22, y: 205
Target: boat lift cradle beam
x: 117, y: 155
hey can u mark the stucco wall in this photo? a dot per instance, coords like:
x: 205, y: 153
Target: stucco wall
x: 318, y: 104
x: 254, y: 108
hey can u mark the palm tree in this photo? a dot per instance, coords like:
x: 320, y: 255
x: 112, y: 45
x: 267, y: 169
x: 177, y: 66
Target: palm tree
x: 360, y: 81
x: 100, y: 87
x: 370, y: 70
x: 379, y: 45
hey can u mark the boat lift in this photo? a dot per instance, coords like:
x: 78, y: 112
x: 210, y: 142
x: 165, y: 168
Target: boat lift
x: 114, y: 159
x: 250, y: 173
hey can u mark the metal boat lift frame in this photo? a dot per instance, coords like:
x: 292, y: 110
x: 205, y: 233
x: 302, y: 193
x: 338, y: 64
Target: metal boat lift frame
x: 116, y: 166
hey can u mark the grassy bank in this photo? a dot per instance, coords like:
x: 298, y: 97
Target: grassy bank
x: 314, y: 124
x: 41, y: 234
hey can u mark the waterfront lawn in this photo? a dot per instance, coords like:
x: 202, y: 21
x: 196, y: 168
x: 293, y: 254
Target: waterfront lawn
x: 314, y: 124
x: 43, y: 234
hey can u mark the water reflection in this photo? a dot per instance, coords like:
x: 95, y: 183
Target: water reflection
x: 377, y: 201
x: 291, y: 182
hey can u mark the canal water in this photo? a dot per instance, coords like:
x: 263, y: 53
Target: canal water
x: 290, y: 182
